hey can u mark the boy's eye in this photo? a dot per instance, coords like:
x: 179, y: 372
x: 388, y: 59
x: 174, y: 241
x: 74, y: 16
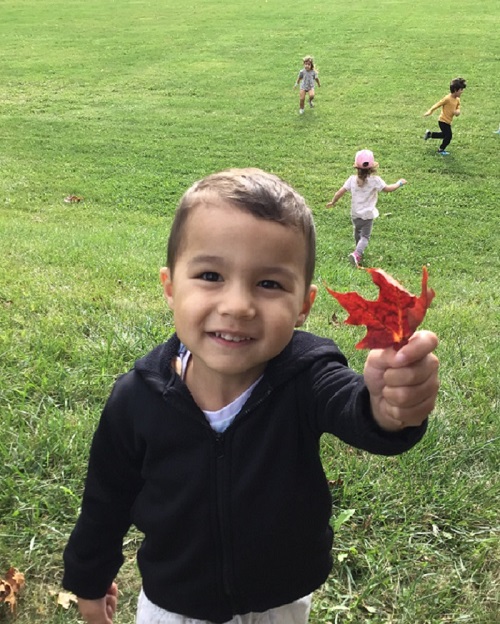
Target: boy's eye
x: 210, y: 276
x: 270, y: 284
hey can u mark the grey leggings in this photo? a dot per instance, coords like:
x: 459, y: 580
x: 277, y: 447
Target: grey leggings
x: 362, y: 233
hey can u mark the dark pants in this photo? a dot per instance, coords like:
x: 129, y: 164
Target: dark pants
x: 445, y: 134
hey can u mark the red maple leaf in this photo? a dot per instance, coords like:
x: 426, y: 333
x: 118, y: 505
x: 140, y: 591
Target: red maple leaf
x: 393, y: 317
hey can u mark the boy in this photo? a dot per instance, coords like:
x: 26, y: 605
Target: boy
x: 450, y: 108
x: 210, y: 444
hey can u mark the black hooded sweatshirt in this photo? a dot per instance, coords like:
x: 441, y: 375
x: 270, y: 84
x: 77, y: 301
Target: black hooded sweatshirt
x: 233, y: 522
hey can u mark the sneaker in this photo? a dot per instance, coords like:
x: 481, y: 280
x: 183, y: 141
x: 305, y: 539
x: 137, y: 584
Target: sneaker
x: 427, y: 135
x: 301, y: 111
x: 443, y: 152
x: 355, y: 259
x: 311, y: 104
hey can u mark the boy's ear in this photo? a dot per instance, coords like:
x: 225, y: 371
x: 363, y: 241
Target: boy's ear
x: 307, y: 305
x: 166, y: 280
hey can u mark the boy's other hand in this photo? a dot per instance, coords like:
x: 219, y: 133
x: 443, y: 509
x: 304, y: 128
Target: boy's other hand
x: 102, y: 610
x: 456, y: 113
x: 403, y: 384
x: 427, y: 114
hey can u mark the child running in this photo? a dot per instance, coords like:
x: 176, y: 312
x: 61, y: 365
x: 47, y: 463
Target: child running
x: 450, y: 107
x: 364, y: 188
x: 210, y: 444
x: 307, y: 76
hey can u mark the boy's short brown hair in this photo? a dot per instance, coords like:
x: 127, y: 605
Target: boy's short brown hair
x: 263, y: 195
x: 456, y: 84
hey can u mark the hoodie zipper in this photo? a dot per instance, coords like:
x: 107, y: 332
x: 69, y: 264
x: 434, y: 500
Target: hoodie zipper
x: 221, y: 512
x: 220, y: 455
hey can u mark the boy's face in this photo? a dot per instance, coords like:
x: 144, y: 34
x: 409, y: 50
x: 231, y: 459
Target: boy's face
x: 307, y: 64
x: 237, y: 292
x: 458, y: 93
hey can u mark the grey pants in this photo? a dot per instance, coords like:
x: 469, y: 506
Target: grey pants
x: 362, y: 232
x: 295, y: 613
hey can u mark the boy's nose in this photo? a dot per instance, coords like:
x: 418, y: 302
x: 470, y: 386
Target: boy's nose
x: 238, y: 302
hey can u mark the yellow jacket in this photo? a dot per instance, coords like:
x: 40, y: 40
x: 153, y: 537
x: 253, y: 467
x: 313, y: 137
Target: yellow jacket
x: 450, y: 104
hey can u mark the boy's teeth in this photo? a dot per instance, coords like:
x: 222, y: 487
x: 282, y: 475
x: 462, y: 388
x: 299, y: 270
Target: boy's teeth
x: 230, y: 338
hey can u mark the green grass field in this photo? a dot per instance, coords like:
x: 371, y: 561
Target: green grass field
x: 126, y: 104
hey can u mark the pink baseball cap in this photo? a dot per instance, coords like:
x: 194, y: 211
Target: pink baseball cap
x: 365, y: 160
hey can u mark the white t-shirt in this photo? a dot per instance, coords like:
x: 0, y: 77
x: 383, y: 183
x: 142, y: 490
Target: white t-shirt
x: 220, y: 419
x: 364, y: 198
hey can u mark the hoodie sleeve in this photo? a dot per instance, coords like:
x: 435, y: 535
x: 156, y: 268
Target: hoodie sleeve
x: 93, y: 554
x: 342, y: 407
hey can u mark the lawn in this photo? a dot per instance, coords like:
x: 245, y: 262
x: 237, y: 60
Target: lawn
x: 125, y: 104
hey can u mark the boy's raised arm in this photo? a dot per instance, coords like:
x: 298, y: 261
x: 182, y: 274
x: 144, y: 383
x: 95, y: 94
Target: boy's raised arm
x: 403, y: 384
x: 435, y: 107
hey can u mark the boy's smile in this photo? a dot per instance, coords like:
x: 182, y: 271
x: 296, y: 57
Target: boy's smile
x: 237, y: 292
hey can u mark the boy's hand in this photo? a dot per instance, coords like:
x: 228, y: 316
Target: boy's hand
x: 403, y: 384
x: 330, y: 204
x: 456, y: 113
x: 428, y: 113
x: 102, y: 610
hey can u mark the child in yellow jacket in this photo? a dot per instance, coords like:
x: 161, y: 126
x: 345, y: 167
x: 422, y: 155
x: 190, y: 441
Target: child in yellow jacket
x: 450, y: 107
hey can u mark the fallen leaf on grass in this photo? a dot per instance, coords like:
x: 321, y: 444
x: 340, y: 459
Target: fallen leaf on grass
x: 371, y: 610
x: 393, y: 317
x: 334, y: 320
x: 64, y: 599
x: 336, y: 483
x: 73, y: 199
x: 10, y: 586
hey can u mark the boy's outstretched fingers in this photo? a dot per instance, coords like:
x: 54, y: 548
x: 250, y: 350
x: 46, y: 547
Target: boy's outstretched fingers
x: 403, y: 384
x: 111, y: 600
x: 102, y: 610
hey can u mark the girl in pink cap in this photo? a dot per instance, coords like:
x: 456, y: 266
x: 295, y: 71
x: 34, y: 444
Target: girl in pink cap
x: 364, y: 188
